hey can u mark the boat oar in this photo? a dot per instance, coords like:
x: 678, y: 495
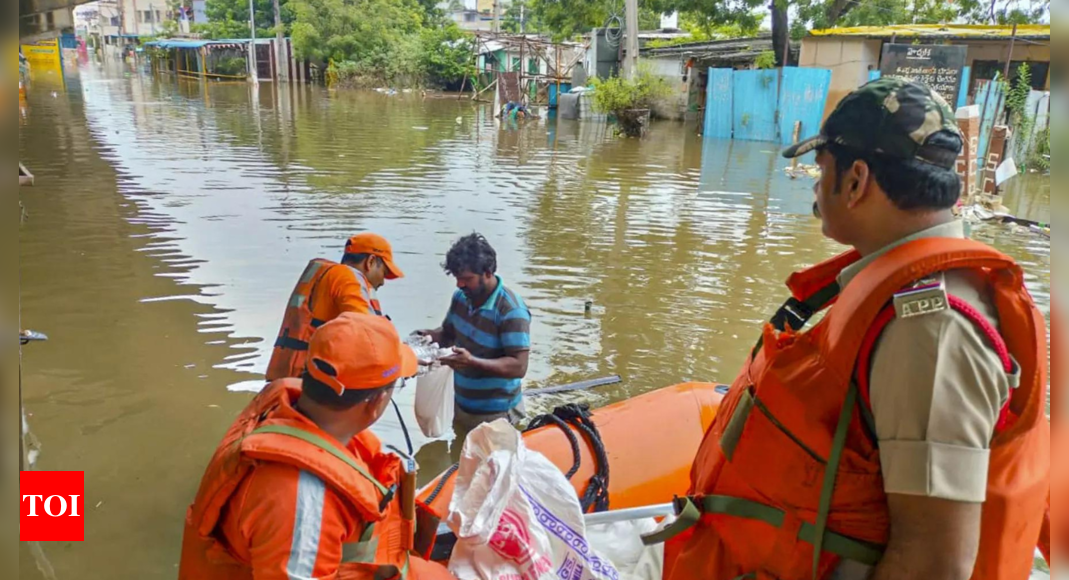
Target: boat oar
x: 580, y: 386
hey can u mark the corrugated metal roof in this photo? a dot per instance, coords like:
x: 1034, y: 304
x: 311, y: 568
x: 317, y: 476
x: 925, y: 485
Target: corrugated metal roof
x: 967, y: 31
x: 179, y: 43
x: 196, y: 44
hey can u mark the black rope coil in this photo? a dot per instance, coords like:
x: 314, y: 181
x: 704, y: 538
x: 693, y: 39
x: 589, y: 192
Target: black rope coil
x: 596, y: 497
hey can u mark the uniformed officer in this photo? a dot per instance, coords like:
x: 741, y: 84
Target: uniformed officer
x: 881, y: 444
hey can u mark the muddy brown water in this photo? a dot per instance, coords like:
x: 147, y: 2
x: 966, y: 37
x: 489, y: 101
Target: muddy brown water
x: 170, y: 220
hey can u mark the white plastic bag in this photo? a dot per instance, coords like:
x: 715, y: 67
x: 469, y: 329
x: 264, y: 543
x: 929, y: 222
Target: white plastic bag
x: 435, y: 402
x: 622, y: 544
x: 516, y: 517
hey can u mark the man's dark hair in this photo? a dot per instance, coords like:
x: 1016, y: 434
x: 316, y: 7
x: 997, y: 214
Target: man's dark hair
x: 327, y: 397
x: 355, y: 259
x: 471, y: 254
x: 911, y: 184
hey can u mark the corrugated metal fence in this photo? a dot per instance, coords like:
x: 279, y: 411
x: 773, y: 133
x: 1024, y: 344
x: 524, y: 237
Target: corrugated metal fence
x: 753, y: 106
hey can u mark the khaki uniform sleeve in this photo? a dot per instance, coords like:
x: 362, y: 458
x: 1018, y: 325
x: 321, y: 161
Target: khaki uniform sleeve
x: 937, y: 389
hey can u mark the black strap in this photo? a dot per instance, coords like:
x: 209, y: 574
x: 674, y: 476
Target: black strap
x: 795, y: 313
x: 404, y: 428
x: 291, y: 344
x: 316, y: 323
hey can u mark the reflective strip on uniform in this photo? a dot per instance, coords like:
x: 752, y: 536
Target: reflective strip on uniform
x: 307, y: 527
x: 311, y: 271
x: 297, y: 300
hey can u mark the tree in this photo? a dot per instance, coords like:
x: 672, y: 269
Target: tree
x: 230, y: 18
x: 447, y: 55
x: 567, y: 19
x: 706, y: 18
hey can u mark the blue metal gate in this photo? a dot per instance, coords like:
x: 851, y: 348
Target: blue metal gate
x: 802, y: 99
x: 755, y: 96
x: 752, y: 106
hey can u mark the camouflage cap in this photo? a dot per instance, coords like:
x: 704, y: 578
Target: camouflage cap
x: 893, y: 117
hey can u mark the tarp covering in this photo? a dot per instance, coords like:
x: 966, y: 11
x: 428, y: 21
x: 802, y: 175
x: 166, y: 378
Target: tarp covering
x: 978, y: 32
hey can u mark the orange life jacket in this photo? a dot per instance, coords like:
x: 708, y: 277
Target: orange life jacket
x: 299, y: 324
x: 788, y: 481
x: 259, y: 436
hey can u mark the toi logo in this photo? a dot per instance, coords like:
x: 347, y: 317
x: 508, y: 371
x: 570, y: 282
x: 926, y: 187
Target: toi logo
x: 52, y: 506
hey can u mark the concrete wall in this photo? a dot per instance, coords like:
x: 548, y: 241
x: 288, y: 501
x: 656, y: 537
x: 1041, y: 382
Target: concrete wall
x: 670, y: 69
x: 850, y: 59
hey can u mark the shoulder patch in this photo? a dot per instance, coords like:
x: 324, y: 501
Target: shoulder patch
x: 927, y: 296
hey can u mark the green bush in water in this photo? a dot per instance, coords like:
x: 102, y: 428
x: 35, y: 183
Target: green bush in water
x: 644, y: 91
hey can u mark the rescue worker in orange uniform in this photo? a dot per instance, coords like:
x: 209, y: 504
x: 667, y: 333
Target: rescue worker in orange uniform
x: 328, y: 289
x: 300, y: 488
x: 903, y: 436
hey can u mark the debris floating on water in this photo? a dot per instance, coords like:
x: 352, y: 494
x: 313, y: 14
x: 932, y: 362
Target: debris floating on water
x: 803, y: 171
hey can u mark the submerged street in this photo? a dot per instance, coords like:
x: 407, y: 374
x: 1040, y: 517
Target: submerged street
x: 170, y: 220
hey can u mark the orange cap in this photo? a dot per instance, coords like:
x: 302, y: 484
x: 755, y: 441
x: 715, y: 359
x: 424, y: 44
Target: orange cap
x: 375, y: 245
x: 359, y: 352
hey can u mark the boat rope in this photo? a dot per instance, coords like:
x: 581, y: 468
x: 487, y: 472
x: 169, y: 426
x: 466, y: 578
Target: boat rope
x: 596, y: 497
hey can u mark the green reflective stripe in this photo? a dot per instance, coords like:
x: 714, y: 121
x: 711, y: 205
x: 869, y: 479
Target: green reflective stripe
x: 297, y: 300
x: 831, y: 475
x: 733, y: 434
x: 408, y: 563
x: 362, y: 552
x: 688, y: 518
x: 323, y: 444
x: 842, y: 546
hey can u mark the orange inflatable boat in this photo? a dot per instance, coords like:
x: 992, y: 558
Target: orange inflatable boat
x: 650, y: 442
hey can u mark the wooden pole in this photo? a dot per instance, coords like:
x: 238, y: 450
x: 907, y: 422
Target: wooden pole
x: 797, y: 138
x: 631, y: 62
x: 1009, y: 57
x: 283, y: 73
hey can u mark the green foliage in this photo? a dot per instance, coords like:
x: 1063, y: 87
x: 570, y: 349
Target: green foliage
x: 765, y: 61
x: 230, y: 18
x: 644, y: 91
x: 569, y: 19
x: 820, y: 14
x: 447, y: 55
x: 234, y: 66
x: 1040, y: 157
x: 710, y: 19
x: 701, y: 34
x: 1020, y: 118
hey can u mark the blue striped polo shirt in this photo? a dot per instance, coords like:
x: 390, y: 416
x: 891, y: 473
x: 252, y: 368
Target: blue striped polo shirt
x: 501, y: 327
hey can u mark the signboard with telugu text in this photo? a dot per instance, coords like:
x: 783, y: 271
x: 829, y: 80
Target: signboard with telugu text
x: 939, y: 67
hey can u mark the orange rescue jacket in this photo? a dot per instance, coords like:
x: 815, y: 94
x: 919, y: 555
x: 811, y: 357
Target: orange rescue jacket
x: 379, y: 549
x: 788, y: 481
x: 299, y: 323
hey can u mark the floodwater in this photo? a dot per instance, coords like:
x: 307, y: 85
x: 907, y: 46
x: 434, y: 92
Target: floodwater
x: 171, y: 220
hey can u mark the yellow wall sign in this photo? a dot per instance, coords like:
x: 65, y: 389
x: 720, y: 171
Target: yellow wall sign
x: 44, y: 55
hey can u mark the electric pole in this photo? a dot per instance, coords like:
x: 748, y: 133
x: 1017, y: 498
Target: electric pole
x: 253, y: 67
x: 631, y: 60
x: 281, y: 54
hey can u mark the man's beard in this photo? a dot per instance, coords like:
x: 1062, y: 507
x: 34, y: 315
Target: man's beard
x: 477, y: 295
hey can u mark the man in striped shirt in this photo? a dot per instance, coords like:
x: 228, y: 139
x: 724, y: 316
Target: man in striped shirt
x: 489, y: 325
